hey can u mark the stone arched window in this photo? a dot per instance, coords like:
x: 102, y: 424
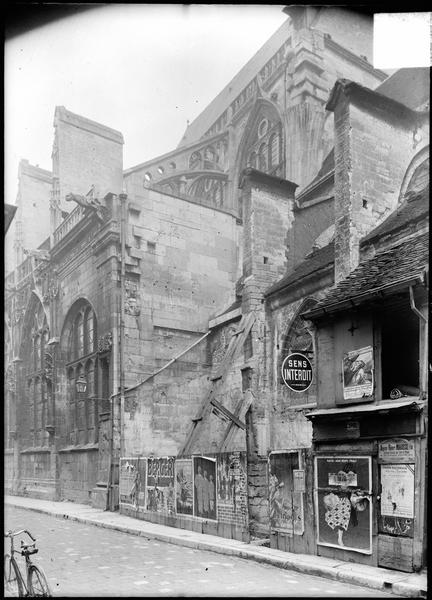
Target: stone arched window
x: 274, y: 150
x: 262, y: 158
x: 263, y: 143
x: 81, y: 365
x: 36, y: 336
x: 195, y: 160
x: 298, y: 338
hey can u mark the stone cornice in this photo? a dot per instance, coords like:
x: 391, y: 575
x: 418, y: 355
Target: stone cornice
x: 356, y: 92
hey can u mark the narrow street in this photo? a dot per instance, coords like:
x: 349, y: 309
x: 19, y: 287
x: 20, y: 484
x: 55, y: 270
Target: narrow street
x: 84, y: 560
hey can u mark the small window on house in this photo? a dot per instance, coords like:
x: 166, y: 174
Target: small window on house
x: 400, y: 354
x: 160, y: 170
x: 147, y: 177
x: 172, y: 165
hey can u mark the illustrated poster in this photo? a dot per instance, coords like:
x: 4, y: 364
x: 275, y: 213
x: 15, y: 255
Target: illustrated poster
x: 343, y: 508
x: 184, y: 487
x: 204, y: 487
x: 286, y: 505
x: 160, y: 485
x: 132, y: 482
x: 397, y: 494
x: 358, y: 373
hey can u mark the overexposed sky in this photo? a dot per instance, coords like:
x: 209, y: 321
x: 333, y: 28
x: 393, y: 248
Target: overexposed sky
x: 141, y: 69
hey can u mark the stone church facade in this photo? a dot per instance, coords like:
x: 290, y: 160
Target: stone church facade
x: 146, y: 327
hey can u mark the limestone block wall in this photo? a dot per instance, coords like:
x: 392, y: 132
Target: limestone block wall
x: 30, y: 226
x: 91, y: 275
x: 182, y: 267
x: 86, y: 153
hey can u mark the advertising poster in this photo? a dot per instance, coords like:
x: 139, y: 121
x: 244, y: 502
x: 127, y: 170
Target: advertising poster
x: 204, y: 487
x: 184, y: 487
x: 396, y: 450
x: 160, y: 485
x: 343, y: 508
x: 397, y: 490
x: 358, y: 373
x: 132, y: 482
x: 286, y: 505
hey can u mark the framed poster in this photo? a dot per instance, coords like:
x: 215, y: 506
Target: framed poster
x: 342, y: 502
x: 286, y: 503
x: 132, y: 482
x: 204, y: 470
x: 184, y: 486
x: 358, y: 373
x: 160, y: 485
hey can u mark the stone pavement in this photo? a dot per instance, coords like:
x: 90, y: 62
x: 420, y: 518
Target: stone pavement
x: 401, y: 584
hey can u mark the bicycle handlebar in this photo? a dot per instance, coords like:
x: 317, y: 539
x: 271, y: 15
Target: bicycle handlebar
x: 12, y: 534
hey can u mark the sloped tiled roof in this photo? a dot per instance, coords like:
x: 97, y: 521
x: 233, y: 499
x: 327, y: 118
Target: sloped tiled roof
x: 320, y: 258
x: 402, y: 262
x: 414, y: 208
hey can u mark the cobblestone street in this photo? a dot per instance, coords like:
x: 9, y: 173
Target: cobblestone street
x: 84, y: 560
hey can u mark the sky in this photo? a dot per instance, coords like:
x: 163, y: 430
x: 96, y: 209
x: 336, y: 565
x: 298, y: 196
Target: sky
x: 141, y: 69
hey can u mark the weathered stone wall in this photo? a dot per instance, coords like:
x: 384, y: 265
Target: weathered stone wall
x: 373, y: 148
x: 86, y: 154
x: 182, y: 269
x: 31, y: 224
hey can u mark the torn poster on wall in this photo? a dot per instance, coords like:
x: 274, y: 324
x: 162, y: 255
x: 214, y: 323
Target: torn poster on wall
x: 160, y: 485
x: 132, y: 482
x: 286, y: 504
x: 204, y: 487
x: 184, y: 487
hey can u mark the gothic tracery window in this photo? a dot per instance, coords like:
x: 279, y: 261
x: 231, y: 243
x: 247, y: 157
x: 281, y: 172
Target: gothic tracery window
x: 82, y: 364
x: 36, y: 386
x: 298, y: 338
x: 263, y: 150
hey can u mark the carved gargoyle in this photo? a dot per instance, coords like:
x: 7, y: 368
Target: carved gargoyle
x: 87, y: 202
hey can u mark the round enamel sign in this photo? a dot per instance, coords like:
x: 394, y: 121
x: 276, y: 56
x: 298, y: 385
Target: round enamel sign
x: 297, y: 372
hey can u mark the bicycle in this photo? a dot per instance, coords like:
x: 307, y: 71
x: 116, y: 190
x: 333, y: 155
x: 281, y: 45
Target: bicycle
x: 35, y: 583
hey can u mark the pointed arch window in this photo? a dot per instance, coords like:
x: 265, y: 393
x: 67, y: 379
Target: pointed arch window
x: 35, y: 397
x: 274, y: 149
x: 262, y: 158
x: 263, y: 150
x: 298, y: 338
x: 82, y: 362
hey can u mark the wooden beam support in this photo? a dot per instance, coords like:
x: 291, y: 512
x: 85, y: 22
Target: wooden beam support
x: 227, y: 413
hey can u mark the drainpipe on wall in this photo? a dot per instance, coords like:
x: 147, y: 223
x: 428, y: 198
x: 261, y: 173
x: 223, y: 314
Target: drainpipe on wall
x: 123, y: 206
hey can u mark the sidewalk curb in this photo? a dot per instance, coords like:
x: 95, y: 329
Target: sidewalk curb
x: 340, y: 572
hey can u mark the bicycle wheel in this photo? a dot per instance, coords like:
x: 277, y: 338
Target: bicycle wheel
x: 12, y: 581
x: 38, y: 584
